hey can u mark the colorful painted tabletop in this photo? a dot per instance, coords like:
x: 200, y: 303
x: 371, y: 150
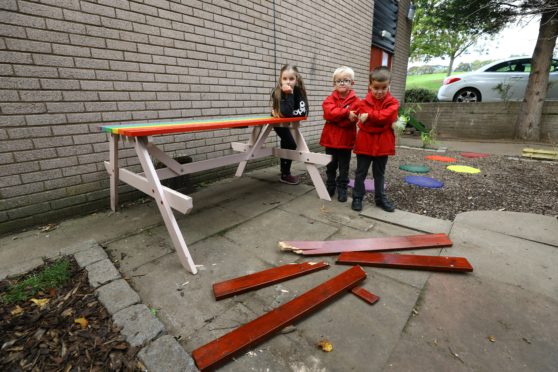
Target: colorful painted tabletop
x: 149, y: 129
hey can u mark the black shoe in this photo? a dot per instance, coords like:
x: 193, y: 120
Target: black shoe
x: 331, y: 190
x: 357, y: 204
x: 342, y: 195
x: 385, y: 205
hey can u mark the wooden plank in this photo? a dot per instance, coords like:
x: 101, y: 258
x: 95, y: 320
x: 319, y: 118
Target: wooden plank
x: 406, y: 261
x: 365, y: 295
x: 422, y: 241
x: 219, y: 350
x: 264, y: 278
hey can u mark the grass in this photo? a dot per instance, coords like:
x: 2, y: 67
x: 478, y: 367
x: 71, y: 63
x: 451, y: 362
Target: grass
x: 53, y: 275
x: 429, y: 81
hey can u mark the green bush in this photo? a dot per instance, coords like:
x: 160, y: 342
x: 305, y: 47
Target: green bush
x: 420, y: 95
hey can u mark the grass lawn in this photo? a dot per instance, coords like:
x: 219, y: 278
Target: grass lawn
x: 430, y: 81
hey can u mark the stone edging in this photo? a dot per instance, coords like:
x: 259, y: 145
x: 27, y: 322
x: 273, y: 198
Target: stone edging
x: 159, y: 351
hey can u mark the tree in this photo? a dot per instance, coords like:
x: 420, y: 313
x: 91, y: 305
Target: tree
x: 480, y: 12
x: 433, y: 36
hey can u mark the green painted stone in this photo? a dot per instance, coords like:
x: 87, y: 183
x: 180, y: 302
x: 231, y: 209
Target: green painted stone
x: 415, y: 168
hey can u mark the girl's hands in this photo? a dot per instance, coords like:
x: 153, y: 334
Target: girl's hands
x: 287, y: 89
x: 274, y: 114
x: 363, y: 117
x: 353, y: 116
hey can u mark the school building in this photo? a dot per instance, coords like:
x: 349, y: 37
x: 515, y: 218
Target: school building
x: 68, y: 66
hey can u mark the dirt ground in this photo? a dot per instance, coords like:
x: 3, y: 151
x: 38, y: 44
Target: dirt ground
x: 504, y: 183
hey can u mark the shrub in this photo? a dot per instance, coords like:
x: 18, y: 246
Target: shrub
x: 420, y: 95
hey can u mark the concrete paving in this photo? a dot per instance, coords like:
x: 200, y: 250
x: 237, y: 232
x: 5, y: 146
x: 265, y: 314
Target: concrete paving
x: 504, y: 315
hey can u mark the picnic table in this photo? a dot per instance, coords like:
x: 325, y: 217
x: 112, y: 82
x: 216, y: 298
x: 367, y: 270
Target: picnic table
x: 149, y: 181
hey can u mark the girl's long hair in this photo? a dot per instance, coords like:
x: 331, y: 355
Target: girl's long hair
x: 276, y: 95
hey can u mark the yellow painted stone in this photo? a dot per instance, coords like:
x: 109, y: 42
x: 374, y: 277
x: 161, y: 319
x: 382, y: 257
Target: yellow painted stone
x: 463, y: 169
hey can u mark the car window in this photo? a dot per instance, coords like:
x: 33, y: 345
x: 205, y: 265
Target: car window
x: 501, y: 67
x: 512, y: 66
x: 554, y: 66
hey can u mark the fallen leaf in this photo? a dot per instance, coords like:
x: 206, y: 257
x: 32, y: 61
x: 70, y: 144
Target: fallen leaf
x: 68, y: 312
x: 49, y: 227
x: 40, y: 302
x: 81, y: 321
x: 325, y: 345
x: 16, y: 310
x: 492, y: 338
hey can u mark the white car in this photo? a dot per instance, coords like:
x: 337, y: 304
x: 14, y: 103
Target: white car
x: 504, y: 80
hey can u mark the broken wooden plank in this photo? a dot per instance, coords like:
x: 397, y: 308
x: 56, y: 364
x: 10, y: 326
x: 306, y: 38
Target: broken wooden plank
x: 365, y: 295
x: 406, y: 261
x: 264, y: 278
x: 219, y: 350
x: 392, y: 243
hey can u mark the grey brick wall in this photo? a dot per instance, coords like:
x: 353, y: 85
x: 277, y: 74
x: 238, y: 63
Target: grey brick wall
x: 68, y: 66
x: 486, y: 121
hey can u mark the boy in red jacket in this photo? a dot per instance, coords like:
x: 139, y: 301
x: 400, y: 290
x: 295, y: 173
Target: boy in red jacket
x: 375, y: 139
x: 339, y: 133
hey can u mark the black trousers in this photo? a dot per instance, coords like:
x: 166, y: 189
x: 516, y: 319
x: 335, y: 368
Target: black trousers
x: 287, y: 142
x: 340, y: 159
x: 378, y: 171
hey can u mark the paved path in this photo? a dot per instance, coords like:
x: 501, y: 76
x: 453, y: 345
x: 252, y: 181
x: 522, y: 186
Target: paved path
x: 503, y: 316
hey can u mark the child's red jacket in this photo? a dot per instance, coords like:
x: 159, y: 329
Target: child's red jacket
x: 375, y: 136
x: 339, y: 131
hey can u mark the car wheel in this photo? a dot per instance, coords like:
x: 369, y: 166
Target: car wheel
x: 467, y: 95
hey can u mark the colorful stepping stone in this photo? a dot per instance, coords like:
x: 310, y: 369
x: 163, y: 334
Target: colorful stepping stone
x: 463, y: 169
x: 474, y: 155
x: 444, y: 159
x: 422, y: 181
x: 414, y: 168
x: 368, y: 184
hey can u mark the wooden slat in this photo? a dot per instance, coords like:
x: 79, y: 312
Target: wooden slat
x: 146, y: 129
x: 365, y: 295
x: 264, y: 278
x: 406, y: 261
x: 242, y: 338
x: 370, y: 244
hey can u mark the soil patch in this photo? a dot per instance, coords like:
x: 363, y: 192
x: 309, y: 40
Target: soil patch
x: 504, y: 183
x: 72, y: 331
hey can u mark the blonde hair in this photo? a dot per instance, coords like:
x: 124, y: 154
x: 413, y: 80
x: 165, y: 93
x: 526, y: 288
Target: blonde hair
x: 276, y: 95
x: 380, y: 74
x: 344, y: 70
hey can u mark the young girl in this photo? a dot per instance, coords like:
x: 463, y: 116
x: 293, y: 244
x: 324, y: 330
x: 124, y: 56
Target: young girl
x: 289, y: 100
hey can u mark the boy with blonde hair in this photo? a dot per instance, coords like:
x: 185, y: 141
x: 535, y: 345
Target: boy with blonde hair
x: 339, y: 132
x: 375, y: 140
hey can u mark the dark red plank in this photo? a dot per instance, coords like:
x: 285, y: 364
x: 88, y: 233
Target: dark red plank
x: 242, y: 338
x: 406, y: 261
x: 264, y: 278
x: 371, y: 244
x: 365, y: 295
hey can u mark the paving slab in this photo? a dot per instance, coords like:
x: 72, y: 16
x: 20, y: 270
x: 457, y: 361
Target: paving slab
x: 471, y: 323
x: 408, y: 220
x: 515, y: 261
x: 166, y: 354
x: 535, y: 227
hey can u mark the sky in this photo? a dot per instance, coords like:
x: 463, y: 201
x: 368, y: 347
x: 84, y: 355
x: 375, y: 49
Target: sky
x: 516, y: 39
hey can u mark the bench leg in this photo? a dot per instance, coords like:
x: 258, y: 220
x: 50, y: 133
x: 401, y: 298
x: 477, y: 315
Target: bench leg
x: 311, y: 168
x: 178, y: 241
x: 113, y: 159
x: 257, y: 140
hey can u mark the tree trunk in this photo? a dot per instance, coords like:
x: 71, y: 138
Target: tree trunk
x: 450, y: 67
x: 528, y: 124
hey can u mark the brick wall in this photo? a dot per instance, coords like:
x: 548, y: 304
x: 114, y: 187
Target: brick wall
x: 485, y: 121
x: 401, y: 55
x: 67, y: 66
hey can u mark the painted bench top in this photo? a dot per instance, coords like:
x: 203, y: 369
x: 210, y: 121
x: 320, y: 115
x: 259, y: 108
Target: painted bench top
x: 149, y: 129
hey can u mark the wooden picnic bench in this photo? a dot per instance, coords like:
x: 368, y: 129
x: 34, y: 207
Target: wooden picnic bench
x: 149, y: 181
